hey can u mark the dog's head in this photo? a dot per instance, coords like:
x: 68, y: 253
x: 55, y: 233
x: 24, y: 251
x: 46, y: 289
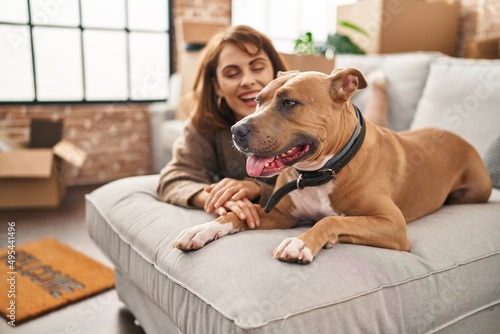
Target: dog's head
x: 301, y: 118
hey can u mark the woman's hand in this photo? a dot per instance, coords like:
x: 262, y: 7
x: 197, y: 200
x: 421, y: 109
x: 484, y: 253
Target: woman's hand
x: 236, y: 196
x: 244, y: 209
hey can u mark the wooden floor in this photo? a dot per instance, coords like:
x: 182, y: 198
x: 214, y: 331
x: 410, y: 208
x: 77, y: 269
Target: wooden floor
x: 101, y: 314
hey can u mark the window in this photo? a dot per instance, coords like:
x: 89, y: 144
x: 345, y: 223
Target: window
x: 84, y: 50
x: 286, y: 20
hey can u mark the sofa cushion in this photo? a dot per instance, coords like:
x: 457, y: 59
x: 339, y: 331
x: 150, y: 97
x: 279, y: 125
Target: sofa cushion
x: 234, y: 285
x: 492, y: 162
x: 405, y: 74
x: 462, y: 96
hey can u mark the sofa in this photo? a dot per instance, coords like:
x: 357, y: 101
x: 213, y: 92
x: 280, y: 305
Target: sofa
x: 448, y: 283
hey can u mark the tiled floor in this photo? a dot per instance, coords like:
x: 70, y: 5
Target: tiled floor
x: 101, y: 314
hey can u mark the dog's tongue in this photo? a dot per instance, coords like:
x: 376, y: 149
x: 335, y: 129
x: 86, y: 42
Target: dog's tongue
x: 255, y: 164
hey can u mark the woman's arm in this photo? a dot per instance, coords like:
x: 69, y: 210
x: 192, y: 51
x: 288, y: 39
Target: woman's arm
x: 190, y: 170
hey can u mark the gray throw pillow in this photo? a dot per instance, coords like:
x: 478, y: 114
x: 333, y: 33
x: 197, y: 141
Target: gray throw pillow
x: 492, y: 162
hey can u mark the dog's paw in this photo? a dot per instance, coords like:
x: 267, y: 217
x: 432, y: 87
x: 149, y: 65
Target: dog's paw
x: 198, y: 236
x: 293, y: 250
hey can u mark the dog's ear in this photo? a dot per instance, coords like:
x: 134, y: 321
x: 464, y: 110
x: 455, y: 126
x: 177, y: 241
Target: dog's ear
x: 345, y: 81
x: 282, y: 73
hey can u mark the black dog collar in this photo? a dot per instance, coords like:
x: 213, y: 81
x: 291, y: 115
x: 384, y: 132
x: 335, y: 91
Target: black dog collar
x: 329, y: 170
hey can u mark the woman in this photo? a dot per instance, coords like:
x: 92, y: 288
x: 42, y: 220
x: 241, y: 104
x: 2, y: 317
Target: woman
x: 206, y: 170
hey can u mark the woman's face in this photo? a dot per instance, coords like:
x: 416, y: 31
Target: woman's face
x: 240, y: 77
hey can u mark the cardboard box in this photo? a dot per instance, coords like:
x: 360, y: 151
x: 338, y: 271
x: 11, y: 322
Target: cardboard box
x: 195, y: 33
x: 6, y: 143
x: 403, y: 25
x: 188, y: 67
x: 45, y: 133
x: 309, y: 63
x: 192, y: 36
x: 484, y: 49
x: 29, y: 179
x: 32, y: 177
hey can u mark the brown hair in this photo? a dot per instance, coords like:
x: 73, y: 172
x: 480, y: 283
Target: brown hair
x: 207, y: 114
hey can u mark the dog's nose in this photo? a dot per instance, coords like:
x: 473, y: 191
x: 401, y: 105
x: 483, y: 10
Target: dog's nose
x: 240, y: 130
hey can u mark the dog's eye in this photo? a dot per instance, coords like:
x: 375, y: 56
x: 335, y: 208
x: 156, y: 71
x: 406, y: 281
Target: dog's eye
x: 288, y: 103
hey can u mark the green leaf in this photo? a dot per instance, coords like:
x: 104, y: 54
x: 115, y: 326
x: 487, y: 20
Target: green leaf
x: 352, y: 26
x: 343, y: 44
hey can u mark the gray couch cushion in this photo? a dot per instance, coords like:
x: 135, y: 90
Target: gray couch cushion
x: 234, y: 285
x: 462, y: 96
x: 406, y: 74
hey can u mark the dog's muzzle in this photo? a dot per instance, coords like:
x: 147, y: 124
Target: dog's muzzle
x: 241, y: 136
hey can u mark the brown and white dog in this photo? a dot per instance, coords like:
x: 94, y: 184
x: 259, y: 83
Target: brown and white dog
x: 357, y: 182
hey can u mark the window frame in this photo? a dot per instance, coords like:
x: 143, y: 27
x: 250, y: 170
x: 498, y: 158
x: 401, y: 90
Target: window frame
x: 30, y: 25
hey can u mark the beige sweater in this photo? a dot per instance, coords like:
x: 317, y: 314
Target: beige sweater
x: 202, y: 159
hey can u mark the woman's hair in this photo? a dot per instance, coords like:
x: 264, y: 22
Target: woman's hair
x: 207, y: 114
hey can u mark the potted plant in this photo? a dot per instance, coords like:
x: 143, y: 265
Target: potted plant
x: 335, y: 43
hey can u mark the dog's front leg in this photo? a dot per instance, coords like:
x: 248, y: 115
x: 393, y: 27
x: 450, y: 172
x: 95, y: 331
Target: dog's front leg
x: 198, y: 236
x: 378, y: 231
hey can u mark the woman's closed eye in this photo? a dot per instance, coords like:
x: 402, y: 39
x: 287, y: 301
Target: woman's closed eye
x: 258, y: 69
x: 258, y: 65
x: 231, y: 72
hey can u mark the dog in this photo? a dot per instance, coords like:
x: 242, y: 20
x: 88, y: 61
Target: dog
x: 356, y: 182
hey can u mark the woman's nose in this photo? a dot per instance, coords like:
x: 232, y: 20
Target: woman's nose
x: 248, y: 79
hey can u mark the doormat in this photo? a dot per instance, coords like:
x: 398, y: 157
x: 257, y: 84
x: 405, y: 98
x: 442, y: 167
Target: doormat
x: 42, y: 276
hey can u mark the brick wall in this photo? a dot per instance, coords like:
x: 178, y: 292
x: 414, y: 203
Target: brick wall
x: 116, y: 137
